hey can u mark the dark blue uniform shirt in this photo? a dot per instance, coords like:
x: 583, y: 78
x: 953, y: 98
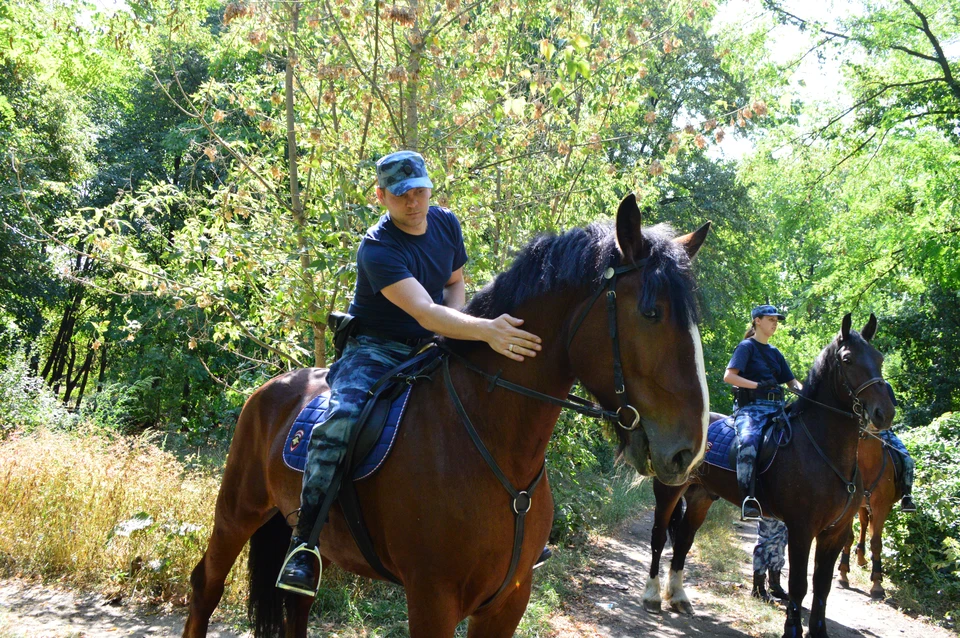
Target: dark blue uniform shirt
x: 388, y: 255
x: 760, y: 362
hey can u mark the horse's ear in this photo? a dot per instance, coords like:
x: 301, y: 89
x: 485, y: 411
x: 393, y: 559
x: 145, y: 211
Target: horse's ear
x: 692, y: 242
x: 845, y: 327
x: 869, y: 330
x: 629, y: 233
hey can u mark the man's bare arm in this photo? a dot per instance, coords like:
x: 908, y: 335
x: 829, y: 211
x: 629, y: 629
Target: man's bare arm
x: 503, y: 334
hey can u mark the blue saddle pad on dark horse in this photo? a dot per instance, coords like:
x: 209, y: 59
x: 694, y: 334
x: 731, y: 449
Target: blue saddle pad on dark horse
x: 298, y: 439
x: 722, y: 445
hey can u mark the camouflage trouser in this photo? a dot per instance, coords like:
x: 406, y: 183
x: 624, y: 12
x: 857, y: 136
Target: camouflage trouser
x: 769, y: 553
x: 365, y: 359
x: 749, y: 421
x: 891, y: 439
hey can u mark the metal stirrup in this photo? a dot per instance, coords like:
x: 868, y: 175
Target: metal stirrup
x: 303, y: 547
x: 744, y: 504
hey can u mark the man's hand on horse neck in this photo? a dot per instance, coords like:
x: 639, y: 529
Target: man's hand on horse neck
x: 503, y: 334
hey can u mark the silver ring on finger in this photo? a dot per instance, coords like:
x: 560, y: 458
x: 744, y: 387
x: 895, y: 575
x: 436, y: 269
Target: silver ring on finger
x: 510, y: 348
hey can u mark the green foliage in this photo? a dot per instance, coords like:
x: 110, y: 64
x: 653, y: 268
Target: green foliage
x: 26, y: 403
x: 921, y: 550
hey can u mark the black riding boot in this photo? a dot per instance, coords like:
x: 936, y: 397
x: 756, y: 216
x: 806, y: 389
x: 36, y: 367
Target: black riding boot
x: 775, y: 589
x: 759, y: 587
x: 544, y: 556
x: 907, y: 504
x: 302, y: 568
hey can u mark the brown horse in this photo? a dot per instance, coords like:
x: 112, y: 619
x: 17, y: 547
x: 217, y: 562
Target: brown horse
x: 881, y: 492
x: 440, y: 519
x: 813, y: 484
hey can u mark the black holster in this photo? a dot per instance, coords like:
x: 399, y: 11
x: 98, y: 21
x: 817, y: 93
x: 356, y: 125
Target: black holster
x: 743, y: 396
x: 341, y: 325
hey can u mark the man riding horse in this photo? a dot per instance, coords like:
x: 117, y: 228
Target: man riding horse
x: 409, y: 287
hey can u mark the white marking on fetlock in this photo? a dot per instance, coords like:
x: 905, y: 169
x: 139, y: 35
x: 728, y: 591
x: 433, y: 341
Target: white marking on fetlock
x: 675, y: 593
x: 651, y: 594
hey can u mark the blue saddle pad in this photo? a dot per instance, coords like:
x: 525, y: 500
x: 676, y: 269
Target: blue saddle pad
x: 298, y: 439
x: 722, y: 435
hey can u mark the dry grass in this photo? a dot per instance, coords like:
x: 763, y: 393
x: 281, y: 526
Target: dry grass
x: 121, y: 516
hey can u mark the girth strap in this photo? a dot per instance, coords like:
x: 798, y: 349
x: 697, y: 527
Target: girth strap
x: 522, y: 499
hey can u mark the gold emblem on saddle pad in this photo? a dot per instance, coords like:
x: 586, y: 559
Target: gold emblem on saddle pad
x: 295, y: 441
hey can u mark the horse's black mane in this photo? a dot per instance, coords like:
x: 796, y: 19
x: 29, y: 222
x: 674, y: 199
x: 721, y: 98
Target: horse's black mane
x: 577, y: 259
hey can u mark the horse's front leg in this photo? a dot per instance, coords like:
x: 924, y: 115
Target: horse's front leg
x: 501, y: 621
x: 865, y: 520
x: 876, y: 549
x: 685, y: 529
x: 432, y: 612
x: 829, y: 544
x: 668, y: 499
x: 798, y: 547
x: 844, y: 567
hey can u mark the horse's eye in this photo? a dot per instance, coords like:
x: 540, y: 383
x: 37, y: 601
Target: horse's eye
x: 652, y: 314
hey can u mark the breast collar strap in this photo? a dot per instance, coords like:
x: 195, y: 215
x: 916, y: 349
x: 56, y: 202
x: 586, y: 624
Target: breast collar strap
x: 629, y: 417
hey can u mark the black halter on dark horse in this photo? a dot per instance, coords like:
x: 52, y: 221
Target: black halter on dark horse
x: 800, y: 488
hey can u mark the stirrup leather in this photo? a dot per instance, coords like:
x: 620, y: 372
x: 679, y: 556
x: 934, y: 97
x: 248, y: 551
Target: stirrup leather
x: 752, y: 501
x: 303, y: 547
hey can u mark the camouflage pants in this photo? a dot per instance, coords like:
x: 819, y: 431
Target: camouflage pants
x: 365, y: 359
x: 749, y: 421
x: 769, y: 553
x: 891, y: 439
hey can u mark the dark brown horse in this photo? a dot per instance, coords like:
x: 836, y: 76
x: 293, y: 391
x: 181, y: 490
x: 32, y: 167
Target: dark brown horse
x: 882, y: 492
x: 813, y: 485
x: 440, y: 519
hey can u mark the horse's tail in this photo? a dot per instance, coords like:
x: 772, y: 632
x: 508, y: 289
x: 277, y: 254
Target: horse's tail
x: 268, y: 547
x: 673, y: 527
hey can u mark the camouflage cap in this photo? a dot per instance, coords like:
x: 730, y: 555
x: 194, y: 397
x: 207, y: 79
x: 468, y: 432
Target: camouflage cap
x: 400, y: 171
x: 766, y: 310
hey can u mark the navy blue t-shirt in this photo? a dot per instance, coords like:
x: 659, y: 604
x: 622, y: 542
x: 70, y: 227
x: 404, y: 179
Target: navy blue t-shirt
x: 388, y: 255
x: 749, y: 359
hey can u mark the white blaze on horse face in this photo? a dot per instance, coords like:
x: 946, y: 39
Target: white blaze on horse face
x: 704, y: 393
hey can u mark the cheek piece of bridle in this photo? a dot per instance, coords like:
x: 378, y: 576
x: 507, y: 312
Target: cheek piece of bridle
x: 609, y: 285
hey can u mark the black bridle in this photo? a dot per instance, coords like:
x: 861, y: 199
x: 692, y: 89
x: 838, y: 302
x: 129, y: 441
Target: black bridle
x: 609, y: 284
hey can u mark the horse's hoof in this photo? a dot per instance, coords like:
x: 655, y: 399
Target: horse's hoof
x: 843, y: 582
x: 878, y: 593
x: 682, y: 607
x: 651, y: 606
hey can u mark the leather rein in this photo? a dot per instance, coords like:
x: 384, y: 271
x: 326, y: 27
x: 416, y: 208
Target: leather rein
x: 522, y: 500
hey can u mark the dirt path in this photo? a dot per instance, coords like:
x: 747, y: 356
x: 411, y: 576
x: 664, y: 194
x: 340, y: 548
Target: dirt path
x: 609, y: 605
x: 52, y: 612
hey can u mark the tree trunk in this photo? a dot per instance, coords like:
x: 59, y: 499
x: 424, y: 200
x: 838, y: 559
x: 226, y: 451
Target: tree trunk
x: 296, y: 203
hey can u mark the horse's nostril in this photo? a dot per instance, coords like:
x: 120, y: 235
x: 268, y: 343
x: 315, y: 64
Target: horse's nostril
x: 682, y: 460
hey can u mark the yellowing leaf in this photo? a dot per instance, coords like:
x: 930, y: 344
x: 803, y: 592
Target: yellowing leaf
x: 547, y: 49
